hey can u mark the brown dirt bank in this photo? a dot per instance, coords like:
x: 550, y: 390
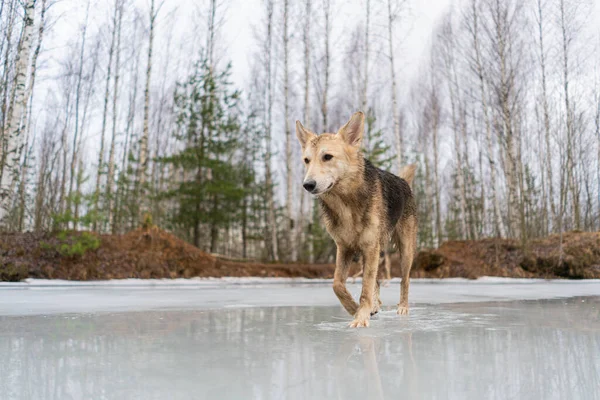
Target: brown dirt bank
x: 158, y: 254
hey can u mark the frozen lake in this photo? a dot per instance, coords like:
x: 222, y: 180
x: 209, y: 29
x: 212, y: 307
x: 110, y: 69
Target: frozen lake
x: 485, y: 339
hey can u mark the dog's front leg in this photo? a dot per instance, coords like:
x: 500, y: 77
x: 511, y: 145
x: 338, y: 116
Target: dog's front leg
x: 371, y: 262
x: 342, y: 266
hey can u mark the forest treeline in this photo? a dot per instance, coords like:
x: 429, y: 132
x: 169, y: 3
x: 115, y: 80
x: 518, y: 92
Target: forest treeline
x: 131, y: 121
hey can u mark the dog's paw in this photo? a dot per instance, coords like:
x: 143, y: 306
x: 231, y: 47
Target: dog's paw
x: 359, y: 323
x: 402, y: 310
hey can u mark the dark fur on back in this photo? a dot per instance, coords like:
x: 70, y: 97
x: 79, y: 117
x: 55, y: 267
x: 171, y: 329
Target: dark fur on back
x: 396, y: 194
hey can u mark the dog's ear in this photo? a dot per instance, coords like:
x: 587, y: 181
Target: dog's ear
x: 352, y: 132
x: 303, y: 134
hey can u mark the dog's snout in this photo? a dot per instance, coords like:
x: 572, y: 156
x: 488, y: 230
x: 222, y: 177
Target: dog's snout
x: 310, y: 185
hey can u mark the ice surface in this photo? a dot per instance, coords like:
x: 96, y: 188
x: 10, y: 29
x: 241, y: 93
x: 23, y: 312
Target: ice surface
x: 51, y: 297
x: 227, y: 340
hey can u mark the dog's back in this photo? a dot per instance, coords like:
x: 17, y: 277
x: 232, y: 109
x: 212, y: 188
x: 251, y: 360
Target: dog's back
x: 396, y: 193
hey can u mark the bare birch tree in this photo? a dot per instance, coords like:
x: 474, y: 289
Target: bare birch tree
x: 478, y: 67
x: 566, y: 38
x: 365, y: 90
x: 96, y: 197
x: 392, y: 16
x: 143, y: 152
x: 10, y: 155
x: 110, y: 175
x: 271, y: 223
x: 78, y: 95
x: 545, y: 109
x: 288, y: 137
x: 327, y: 60
x: 306, y: 118
x: 456, y: 116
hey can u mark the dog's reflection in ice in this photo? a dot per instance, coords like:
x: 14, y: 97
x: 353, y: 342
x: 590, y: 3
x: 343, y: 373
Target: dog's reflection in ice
x: 369, y: 352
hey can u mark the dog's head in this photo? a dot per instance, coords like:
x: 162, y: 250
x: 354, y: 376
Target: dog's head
x: 331, y: 159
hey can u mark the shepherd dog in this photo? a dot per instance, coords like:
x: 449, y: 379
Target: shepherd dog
x: 363, y: 208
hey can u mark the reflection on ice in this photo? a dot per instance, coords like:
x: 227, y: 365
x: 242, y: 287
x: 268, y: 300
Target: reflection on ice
x: 421, y: 318
x: 542, y: 349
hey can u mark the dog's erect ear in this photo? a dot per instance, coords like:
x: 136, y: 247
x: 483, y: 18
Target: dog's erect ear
x: 352, y: 132
x: 303, y: 134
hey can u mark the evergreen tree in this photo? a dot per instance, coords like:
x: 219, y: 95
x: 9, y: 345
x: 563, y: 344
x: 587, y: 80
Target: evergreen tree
x: 375, y: 149
x: 210, y: 193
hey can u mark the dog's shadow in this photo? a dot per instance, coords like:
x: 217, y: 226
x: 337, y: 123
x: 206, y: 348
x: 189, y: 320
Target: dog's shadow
x: 369, y: 377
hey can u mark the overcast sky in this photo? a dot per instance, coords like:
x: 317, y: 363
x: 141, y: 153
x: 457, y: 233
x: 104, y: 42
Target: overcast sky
x: 243, y: 14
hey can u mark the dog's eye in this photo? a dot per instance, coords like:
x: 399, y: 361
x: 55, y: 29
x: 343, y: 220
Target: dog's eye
x: 306, y: 161
x: 327, y: 157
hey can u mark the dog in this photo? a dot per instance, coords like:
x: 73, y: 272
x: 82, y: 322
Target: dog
x: 363, y: 208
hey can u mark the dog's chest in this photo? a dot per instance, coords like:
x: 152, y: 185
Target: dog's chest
x: 350, y: 225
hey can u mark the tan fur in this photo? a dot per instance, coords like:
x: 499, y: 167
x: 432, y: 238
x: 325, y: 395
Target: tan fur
x: 360, y: 214
x: 408, y: 173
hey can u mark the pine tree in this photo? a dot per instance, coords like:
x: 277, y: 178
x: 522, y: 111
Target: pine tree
x: 210, y: 194
x: 376, y: 150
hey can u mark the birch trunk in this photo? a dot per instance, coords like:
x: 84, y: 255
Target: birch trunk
x: 110, y: 176
x: 546, y: 114
x: 435, y: 133
x: 570, y: 128
x: 38, y: 220
x: 288, y: 137
x: 395, y: 115
x: 365, y: 90
x: 324, y: 109
x: 210, y: 40
x: 77, y: 100
x: 16, y: 123
x: 499, y: 224
x: 6, y: 41
x: 505, y: 92
x: 104, y: 116
x: 272, y: 228
x: 143, y: 155
x: 455, y: 109
x: 306, y: 115
x: 29, y: 95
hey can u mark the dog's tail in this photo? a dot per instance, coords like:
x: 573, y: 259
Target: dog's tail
x: 408, y: 173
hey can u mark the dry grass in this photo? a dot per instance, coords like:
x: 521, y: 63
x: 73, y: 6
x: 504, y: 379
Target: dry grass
x: 154, y: 253
x: 507, y: 258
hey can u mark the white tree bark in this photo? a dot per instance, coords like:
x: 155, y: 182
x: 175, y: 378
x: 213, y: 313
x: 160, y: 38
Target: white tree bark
x: 16, y: 121
x: 546, y: 113
x: 77, y: 101
x: 499, y: 224
x: 365, y: 91
x: 272, y: 228
x: 143, y: 155
x: 502, y: 34
x: 288, y: 137
x: 104, y: 116
x: 301, y: 230
x: 455, y: 104
x: 326, y: 36
x: 435, y: 125
x: 110, y: 176
x: 571, y: 167
x: 395, y: 111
